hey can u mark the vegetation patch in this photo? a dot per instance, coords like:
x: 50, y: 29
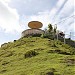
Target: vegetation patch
x: 6, y: 53
x: 5, y: 63
x: 2, y: 71
x: 50, y: 71
x: 69, y: 61
x: 37, y: 49
x: 30, y: 53
x: 9, y: 54
x: 37, y: 56
x: 59, y: 52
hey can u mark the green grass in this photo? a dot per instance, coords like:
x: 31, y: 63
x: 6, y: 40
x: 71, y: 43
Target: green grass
x: 37, y: 56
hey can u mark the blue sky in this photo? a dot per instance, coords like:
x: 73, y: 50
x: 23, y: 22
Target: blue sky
x: 15, y: 15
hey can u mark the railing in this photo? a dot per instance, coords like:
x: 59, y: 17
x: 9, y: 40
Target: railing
x: 66, y: 36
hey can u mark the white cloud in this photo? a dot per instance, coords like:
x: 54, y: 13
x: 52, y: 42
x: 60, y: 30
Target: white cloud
x: 65, y: 12
x: 68, y: 8
x: 54, y: 11
x: 32, y: 7
x: 41, y: 16
x: 46, y: 17
x: 5, y: 1
x: 9, y: 18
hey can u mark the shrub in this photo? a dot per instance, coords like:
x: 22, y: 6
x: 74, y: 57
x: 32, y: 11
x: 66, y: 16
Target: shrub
x: 2, y: 71
x: 39, y: 49
x: 59, y: 52
x: 8, y: 54
x: 36, y: 35
x: 48, y: 72
x: 15, y: 40
x: 72, y: 51
x: 4, y: 45
x: 54, y: 45
x: 59, y: 42
x: 30, y: 53
x: 5, y: 63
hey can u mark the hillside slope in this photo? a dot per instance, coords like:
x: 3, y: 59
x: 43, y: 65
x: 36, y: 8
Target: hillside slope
x: 37, y: 56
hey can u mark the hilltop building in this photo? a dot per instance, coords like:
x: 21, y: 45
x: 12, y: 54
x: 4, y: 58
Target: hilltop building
x: 34, y: 29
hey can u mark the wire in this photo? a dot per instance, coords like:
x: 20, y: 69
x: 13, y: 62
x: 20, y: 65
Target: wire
x: 66, y: 19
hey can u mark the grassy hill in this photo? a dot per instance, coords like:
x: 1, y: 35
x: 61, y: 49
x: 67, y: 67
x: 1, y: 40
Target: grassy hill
x: 37, y: 56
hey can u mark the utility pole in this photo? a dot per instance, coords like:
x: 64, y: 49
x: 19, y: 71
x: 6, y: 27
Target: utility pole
x: 64, y: 38
x: 57, y: 35
x: 55, y: 27
x: 70, y: 35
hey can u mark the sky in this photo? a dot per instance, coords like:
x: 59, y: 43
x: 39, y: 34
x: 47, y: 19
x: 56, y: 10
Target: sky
x: 15, y: 15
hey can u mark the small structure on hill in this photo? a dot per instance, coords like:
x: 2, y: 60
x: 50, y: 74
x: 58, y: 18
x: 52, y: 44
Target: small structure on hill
x: 34, y: 29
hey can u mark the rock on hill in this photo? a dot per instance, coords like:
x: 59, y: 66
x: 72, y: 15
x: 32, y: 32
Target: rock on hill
x: 37, y: 56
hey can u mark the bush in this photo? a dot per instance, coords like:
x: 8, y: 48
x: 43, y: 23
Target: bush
x: 36, y: 35
x: 52, y: 44
x: 59, y: 42
x: 48, y: 72
x: 49, y: 36
x: 4, y: 45
x: 2, y: 71
x: 72, y: 51
x: 59, y: 52
x: 30, y: 53
x: 5, y: 63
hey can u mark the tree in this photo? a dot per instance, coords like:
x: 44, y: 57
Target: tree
x: 50, y: 28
